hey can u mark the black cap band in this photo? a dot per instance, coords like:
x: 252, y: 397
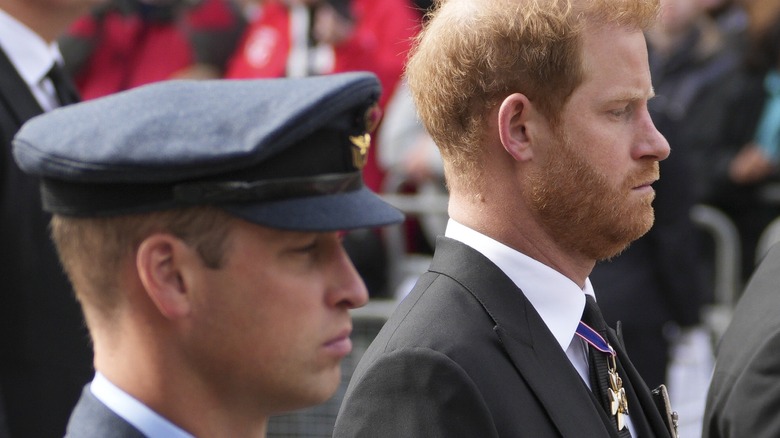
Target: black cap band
x: 268, y: 190
x: 79, y: 199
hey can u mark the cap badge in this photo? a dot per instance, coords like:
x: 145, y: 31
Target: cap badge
x: 360, y: 144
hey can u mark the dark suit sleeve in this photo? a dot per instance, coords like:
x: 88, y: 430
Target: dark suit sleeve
x: 750, y: 405
x: 424, y: 394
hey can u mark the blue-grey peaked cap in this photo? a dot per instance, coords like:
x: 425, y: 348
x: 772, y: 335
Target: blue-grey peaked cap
x: 284, y: 153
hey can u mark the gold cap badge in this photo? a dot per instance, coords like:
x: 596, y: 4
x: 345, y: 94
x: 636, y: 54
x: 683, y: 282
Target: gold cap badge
x: 361, y: 143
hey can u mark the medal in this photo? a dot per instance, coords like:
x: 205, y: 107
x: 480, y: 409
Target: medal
x: 618, y: 401
x: 362, y: 141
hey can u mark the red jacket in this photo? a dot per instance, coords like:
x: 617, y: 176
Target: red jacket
x: 121, y: 50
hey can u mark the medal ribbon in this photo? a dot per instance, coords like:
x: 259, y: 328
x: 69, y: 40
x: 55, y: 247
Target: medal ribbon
x: 592, y: 337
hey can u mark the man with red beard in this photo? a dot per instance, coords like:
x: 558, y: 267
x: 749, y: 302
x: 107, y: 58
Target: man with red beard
x: 540, y: 113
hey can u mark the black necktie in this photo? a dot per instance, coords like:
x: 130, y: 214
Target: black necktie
x: 608, y: 393
x: 66, y: 92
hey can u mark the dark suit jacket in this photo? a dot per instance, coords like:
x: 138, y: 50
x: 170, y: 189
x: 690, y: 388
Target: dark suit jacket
x: 466, y: 355
x: 93, y: 419
x: 744, y: 396
x: 45, y: 357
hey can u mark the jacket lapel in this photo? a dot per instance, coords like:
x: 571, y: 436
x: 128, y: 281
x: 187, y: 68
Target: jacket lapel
x: 528, y: 342
x: 15, y: 95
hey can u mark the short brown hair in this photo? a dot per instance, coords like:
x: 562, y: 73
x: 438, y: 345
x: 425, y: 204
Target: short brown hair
x: 473, y: 53
x: 92, y: 249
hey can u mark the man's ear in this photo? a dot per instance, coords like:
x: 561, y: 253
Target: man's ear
x: 513, y: 117
x: 160, y: 260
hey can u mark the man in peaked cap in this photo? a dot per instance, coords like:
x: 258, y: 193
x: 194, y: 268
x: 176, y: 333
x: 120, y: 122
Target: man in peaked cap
x: 199, y: 225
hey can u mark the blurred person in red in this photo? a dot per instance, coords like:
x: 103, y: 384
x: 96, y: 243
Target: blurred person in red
x: 296, y: 38
x: 128, y: 43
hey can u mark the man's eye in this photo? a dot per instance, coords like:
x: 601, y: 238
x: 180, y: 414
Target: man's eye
x: 621, y: 112
x: 311, y: 247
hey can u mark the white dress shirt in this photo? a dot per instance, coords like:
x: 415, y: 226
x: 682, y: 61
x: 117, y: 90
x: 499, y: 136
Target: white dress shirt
x: 555, y: 297
x: 33, y: 58
x: 150, y: 423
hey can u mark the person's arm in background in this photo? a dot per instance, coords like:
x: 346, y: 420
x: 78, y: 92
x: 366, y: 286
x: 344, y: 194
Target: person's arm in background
x: 214, y: 28
x: 376, y: 37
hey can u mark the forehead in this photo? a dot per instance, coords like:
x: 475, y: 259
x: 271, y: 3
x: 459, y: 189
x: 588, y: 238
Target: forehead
x: 615, y: 64
x: 251, y: 246
x: 270, y: 237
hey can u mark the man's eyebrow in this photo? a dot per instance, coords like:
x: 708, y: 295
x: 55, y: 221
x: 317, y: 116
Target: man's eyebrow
x: 632, y: 96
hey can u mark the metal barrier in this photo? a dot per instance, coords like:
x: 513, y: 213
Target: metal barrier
x: 728, y: 250
x: 403, y: 266
x: 727, y: 281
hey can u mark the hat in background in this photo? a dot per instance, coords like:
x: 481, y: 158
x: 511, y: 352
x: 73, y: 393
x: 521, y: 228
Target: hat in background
x: 283, y: 153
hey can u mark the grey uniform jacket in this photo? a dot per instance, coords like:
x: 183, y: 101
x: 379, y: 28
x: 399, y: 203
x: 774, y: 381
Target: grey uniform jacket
x: 744, y: 396
x: 466, y: 355
x: 92, y: 419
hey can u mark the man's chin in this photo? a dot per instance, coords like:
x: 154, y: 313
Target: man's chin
x: 622, y: 237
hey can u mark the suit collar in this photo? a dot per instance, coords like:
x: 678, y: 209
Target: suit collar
x: 557, y: 299
x: 15, y: 95
x: 536, y: 355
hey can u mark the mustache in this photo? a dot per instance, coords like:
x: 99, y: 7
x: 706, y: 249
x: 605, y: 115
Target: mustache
x: 650, y: 174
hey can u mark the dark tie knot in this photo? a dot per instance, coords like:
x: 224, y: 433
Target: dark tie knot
x: 66, y: 92
x: 592, y: 316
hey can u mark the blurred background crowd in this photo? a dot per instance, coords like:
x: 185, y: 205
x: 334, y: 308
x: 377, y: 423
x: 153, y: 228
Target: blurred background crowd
x: 716, y: 73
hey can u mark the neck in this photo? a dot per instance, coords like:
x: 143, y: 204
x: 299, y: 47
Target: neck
x: 502, y: 220
x: 155, y: 374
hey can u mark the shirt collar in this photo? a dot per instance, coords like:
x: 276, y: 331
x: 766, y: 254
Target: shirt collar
x: 150, y: 423
x: 556, y: 298
x: 28, y: 52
